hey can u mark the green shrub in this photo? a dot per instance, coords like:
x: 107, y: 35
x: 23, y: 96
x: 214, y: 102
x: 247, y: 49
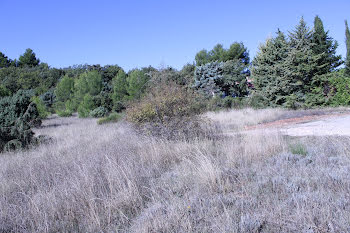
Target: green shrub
x: 228, y: 102
x: 341, y: 89
x: 64, y: 113
x: 298, y: 149
x: 98, y: 112
x: 4, y: 91
x: 43, y: 113
x: 86, y: 106
x: 17, y: 115
x: 255, y: 101
x: 113, y: 117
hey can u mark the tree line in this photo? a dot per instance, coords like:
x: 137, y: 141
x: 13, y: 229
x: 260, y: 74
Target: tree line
x: 300, y: 69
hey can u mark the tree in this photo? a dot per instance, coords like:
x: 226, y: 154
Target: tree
x: 65, y: 89
x: 324, y: 50
x: 347, y: 35
x: 4, y: 61
x: 28, y: 59
x: 217, y: 53
x: 237, y: 51
x: 300, y: 65
x: 234, y: 79
x: 325, y: 47
x: 268, y: 69
x: 87, y: 83
x: 137, y: 81
x: 202, y: 57
x: 17, y: 115
x: 119, y: 90
x: 86, y: 106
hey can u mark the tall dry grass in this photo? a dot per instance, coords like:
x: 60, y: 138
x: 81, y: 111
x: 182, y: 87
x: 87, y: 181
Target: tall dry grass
x: 238, y: 119
x: 107, y: 178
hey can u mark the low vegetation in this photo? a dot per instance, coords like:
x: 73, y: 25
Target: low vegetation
x: 108, y: 178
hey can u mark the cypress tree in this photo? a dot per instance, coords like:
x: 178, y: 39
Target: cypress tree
x: 347, y: 63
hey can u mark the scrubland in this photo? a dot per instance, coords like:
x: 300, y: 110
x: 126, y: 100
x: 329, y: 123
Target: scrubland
x: 110, y: 178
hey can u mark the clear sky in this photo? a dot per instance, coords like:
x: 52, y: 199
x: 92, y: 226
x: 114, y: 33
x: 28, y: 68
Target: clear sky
x: 152, y: 32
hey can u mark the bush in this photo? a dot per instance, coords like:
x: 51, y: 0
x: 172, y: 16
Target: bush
x: 255, y: 101
x: 86, y: 106
x: 98, y: 112
x: 17, y: 115
x: 113, y: 117
x: 169, y: 110
x: 43, y: 113
x: 64, y: 113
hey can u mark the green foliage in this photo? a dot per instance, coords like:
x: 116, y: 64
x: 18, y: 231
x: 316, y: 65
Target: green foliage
x: 86, y: 106
x: 64, y: 113
x: 28, y: 59
x: 40, y: 78
x: 256, y: 101
x: 4, y: 61
x: 87, y: 83
x: 137, y: 83
x: 111, y: 118
x: 347, y: 41
x: 268, y: 70
x: 98, y: 112
x: 17, y: 115
x: 341, y: 89
x: 298, y: 149
x: 224, y: 78
x: 120, y: 93
x: 208, y: 77
x: 237, y: 51
x: 43, y: 113
x: 65, y: 89
x: 4, y: 91
x: 49, y: 98
x: 296, y: 73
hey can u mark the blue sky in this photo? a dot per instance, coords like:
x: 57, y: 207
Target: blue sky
x: 152, y: 32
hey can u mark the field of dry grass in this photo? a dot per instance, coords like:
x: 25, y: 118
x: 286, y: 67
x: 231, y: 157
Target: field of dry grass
x: 108, y: 178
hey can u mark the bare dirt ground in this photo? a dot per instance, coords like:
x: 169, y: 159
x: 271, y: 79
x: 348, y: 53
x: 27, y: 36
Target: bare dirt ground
x: 321, y: 125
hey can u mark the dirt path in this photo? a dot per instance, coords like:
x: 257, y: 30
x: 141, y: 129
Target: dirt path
x: 336, y: 125
x: 324, y: 125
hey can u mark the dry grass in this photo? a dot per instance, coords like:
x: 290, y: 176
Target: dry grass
x: 238, y: 119
x: 107, y: 178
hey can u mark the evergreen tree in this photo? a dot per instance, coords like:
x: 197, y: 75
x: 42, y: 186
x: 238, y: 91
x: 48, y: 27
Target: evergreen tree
x: 65, y: 89
x: 28, y: 59
x: 347, y: 63
x: 268, y: 69
x: 325, y: 47
x: 119, y: 90
x: 300, y: 66
x: 137, y: 80
x: 202, y: 57
x: 4, y: 61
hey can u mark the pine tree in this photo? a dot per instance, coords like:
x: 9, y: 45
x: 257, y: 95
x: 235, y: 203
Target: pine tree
x: 324, y: 49
x: 268, y: 69
x: 4, y: 61
x: 324, y: 46
x: 347, y: 63
x: 28, y: 59
x: 301, y: 65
